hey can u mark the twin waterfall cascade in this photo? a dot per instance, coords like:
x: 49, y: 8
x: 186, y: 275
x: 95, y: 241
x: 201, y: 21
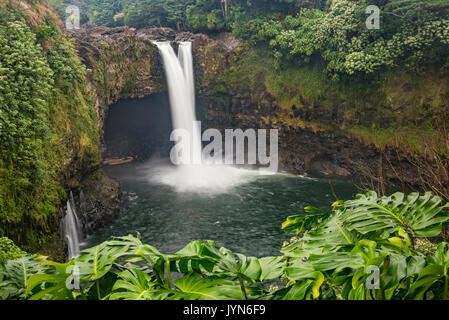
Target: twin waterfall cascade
x: 181, y: 87
x: 200, y: 177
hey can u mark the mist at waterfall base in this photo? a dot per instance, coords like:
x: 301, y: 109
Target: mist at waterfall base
x: 171, y: 206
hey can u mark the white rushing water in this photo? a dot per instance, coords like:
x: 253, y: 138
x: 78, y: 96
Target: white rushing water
x: 71, y: 229
x: 181, y: 87
x: 197, y: 177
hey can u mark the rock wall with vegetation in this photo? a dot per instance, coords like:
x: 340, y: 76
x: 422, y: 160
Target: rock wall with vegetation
x: 121, y: 63
x: 49, y: 137
x: 376, y: 127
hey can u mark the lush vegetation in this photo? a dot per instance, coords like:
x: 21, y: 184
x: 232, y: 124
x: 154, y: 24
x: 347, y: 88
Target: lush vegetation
x: 367, y: 248
x: 198, y: 15
x: 9, y: 251
x: 44, y: 116
x: 412, y: 32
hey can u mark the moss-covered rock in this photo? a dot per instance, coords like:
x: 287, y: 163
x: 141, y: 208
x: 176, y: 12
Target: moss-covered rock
x: 121, y: 64
x: 57, y: 136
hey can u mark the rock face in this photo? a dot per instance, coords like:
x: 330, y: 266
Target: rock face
x: 99, y: 211
x: 122, y: 63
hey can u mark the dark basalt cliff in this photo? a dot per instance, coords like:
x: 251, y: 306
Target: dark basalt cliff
x: 121, y: 64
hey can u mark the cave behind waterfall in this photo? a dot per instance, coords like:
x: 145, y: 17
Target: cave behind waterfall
x: 139, y: 128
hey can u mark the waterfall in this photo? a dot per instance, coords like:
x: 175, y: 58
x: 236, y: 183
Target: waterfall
x: 71, y: 229
x: 200, y: 177
x: 181, y: 88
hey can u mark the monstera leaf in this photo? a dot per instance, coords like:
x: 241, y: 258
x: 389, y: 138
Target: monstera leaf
x: 372, y: 216
x: 54, y: 284
x: 15, y: 275
x: 196, y: 257
x: 328, y: 235
x: 272, y: 268
x: 193, y: 287
x: 300, y: 223
x: 297, y: 291
x: 135, y: 285
x: 95, y: 262
x: 301, y: 290
x: 217, y: 261
x: 236, y: 265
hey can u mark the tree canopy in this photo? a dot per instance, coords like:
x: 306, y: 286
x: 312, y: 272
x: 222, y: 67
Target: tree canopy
x: 414, y: 33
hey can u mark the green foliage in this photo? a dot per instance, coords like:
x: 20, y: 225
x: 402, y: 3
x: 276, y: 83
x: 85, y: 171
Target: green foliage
x: 331, y: 257
x: 198, y: 15
x: 15, y: 274
x: 25, y: 87
x: 420, y: 216
x: 9, y: 251
x: 425, y: 246
x: 60, y: 6
x: 103, y: 12
x: 365, y: 234
x: 42, y: 108
x: 413, y: 33
x: 418, y: 37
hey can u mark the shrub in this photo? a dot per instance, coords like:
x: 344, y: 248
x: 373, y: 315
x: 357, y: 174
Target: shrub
x: 9, y: 251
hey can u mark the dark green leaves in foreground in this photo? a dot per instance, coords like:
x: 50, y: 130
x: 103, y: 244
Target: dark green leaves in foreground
x: 371, y: 236
x: 420, y: 216
x: 365, y: 248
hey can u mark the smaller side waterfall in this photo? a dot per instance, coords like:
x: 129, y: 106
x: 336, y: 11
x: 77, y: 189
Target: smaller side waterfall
x: 71, y: 229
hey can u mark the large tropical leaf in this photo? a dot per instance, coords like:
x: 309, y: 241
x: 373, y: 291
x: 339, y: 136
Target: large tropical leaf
x: 196, y: 257
x: 193, y: 287
x: 372, y: 216
x: 53, y: 284
x: 328, y: 235
x: 95, y: 262
x: 135, y: 285
x: 15, y: 275
x: 272, y: 268
x: 297, y: 291
x: 300, y: 223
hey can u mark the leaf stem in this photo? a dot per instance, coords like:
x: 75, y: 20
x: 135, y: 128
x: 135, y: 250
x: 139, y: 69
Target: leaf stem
x: 242, y: 286
x: 446, y: 283
x: 98, y: 290
x: 167, y: 263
